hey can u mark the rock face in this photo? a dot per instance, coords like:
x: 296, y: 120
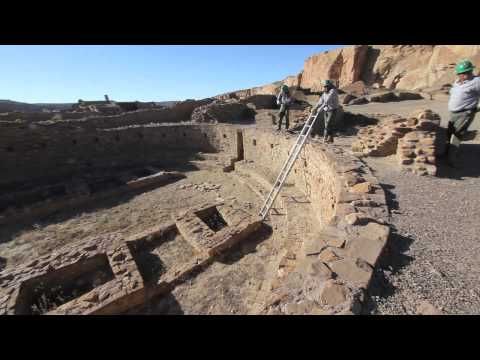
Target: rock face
x: 408, y: 67
x: 402, y: 67
x: 414, y: 67
x: 343, y: 64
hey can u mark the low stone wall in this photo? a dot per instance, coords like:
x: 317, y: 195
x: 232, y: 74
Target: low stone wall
x: 349, y: 205
x: 33, y: 154
x: 108, y: 274
x: 40, y: 202
x: 180, y: 112
x: 414, y: 140
x: 41, y: 116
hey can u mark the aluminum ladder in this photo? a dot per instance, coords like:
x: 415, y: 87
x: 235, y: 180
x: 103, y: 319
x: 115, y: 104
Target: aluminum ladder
x: 288, y: 165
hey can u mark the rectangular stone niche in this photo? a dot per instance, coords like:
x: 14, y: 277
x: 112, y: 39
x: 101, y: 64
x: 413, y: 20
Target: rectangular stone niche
x: 212, y: 218
x: 158, y: 253
x: 47, y: 292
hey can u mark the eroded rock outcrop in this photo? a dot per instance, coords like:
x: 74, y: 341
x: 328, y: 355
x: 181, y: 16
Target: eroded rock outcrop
x: 345, y: 65
x: 402, y: 67
x: 408, y: 67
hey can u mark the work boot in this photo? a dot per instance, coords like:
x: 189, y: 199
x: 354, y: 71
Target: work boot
x: 330, y: 139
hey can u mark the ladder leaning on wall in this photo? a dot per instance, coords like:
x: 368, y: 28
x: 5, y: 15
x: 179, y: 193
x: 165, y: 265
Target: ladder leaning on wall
x: 288, y: 165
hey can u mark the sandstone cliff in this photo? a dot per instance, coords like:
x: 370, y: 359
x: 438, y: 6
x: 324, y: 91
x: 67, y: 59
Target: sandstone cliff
x: 402, y: 67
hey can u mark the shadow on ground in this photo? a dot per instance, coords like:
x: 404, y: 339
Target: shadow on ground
x: 390, y: 196
x: 352, y: 123
x: 390, y: 263
x: 165, y: 305
x: 392, y: 260
x: 247, y: 246
x: 349, y: 125
x: 9, y: 232
x: 468, y: 164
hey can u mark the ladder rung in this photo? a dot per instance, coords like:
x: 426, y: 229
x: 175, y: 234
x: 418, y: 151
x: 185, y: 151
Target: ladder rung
x: 288, y: 165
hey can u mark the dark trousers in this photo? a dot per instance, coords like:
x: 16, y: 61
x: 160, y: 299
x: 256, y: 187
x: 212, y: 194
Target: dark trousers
x: 284, y: 112
x: 456, y: 130
x: 329, y: 119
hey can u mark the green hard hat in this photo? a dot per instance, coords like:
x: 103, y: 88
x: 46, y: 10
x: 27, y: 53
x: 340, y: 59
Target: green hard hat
x: 464, y: 66
x: 284, y: 87
x: 327, y: 83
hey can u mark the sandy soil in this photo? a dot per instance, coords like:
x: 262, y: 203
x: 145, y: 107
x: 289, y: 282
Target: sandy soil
x: 126, y: 214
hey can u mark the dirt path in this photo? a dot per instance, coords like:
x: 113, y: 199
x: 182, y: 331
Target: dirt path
x: 435, y: 248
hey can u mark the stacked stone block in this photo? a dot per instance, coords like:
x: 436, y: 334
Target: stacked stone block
x: 413, y: 140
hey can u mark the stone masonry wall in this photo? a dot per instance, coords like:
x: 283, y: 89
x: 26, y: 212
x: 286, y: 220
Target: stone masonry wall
x: 329, y: 271
x: 312, y: 172
x: 414, y: 140
x: 30, y: 153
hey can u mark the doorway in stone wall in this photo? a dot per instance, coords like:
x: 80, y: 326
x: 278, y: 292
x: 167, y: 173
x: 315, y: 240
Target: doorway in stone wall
x: 240, y: 154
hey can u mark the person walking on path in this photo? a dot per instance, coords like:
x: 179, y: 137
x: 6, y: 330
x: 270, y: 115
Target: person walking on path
x: 463, y: 105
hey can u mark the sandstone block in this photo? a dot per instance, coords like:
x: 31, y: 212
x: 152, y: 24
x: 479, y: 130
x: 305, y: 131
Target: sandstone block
x: 364, y: 187
x: 333, y: 294
x: 366, y: 248
x: 431, y: 170
x: 319, y: 270
x: 314, y: 246
x: 335, y: 241
x: 355, y: 271
x: 352, y: 219
x: 328, y: 256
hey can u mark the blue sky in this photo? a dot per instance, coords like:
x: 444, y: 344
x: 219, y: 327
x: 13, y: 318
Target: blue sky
x: 145, y: 73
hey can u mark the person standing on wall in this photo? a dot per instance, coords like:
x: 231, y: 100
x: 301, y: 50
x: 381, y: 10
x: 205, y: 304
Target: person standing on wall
x: 463, y: 105
x: 284, y: 99
x: 328, y: 103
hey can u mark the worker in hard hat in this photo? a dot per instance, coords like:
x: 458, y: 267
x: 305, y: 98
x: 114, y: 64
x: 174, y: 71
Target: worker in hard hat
x: 463, y: 105
x: 328, y: 103
x: 284, y: 99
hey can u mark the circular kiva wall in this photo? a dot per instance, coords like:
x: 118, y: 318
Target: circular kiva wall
x: 325, y: 271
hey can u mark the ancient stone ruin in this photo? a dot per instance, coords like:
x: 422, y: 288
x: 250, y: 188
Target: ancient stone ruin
x: 414, y: 140
x: 333, y: 223
x: 154, y: 209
